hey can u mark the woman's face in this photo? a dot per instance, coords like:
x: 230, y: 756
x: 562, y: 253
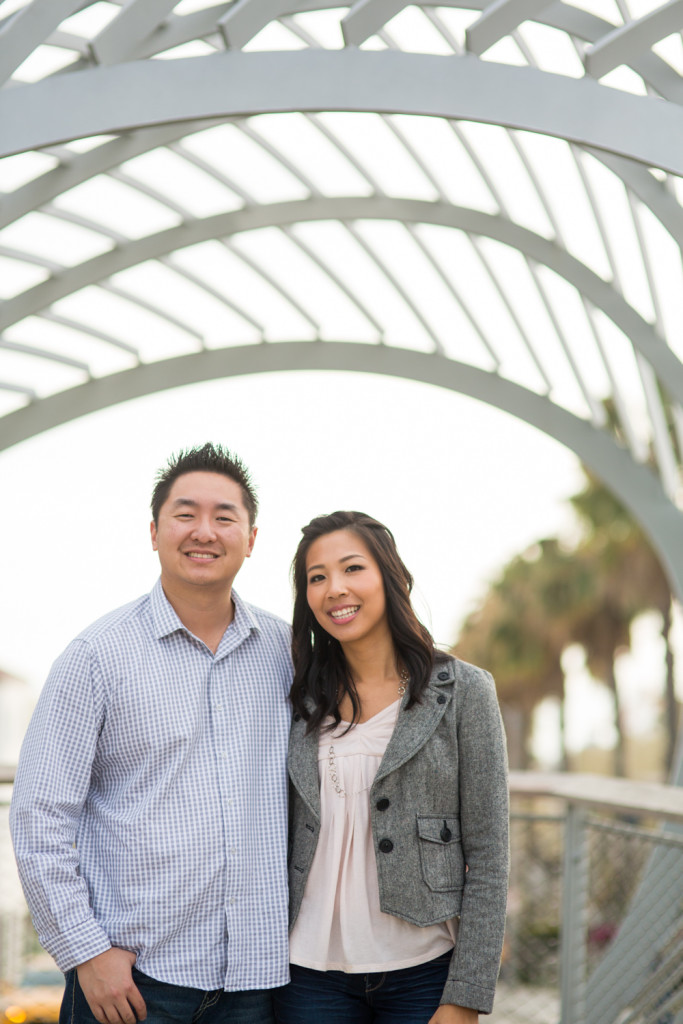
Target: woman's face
x: 345, y: 591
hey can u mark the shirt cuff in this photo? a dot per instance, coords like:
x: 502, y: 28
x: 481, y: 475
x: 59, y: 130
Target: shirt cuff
x: 77, y: 945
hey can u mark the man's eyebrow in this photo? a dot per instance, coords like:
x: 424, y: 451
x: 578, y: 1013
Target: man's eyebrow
x: 346, y: 558
x: 223, y: 506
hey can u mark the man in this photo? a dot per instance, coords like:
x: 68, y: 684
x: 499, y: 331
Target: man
x: 149, y: 809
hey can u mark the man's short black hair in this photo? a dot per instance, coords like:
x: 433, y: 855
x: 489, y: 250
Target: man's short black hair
x: 206, y: 458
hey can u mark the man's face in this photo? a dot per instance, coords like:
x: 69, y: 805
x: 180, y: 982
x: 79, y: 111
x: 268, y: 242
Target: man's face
x: 203, y: 533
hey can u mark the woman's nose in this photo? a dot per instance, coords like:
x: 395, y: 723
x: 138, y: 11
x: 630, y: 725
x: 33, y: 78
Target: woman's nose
x: 338, y: 585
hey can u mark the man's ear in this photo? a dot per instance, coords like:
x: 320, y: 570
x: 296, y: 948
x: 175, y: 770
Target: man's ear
x: 252, y: 538
x: 153, y: 532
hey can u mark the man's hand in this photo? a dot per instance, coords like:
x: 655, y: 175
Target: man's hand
x: 451, y: 1014
x: 107, y: 984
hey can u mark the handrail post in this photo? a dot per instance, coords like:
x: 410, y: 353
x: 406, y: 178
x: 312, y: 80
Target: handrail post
x: 574, y: 918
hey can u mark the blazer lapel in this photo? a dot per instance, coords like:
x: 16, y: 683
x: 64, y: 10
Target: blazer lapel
x: 415, y: 726
x: 303, y: 765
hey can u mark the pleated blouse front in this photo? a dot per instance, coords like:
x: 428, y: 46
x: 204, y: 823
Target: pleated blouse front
x: 340, y: 926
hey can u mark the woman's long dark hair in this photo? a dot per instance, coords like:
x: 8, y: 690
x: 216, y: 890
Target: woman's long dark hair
x: 321, y: 673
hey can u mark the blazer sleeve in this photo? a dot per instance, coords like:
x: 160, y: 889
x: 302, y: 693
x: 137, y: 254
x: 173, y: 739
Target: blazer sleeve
x: 484, y: 815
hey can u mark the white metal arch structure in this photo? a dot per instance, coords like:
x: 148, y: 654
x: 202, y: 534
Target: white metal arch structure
x: 483, y: 196
x: 84, y: 87
x: 75, y: 71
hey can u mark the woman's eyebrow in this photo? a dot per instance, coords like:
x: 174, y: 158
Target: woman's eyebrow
x: 346, y: 558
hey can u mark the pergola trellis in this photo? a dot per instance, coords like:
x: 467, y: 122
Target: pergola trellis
x: 482, y: 196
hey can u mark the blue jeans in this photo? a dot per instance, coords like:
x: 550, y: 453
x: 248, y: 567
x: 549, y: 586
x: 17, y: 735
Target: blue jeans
x: 175, y: 1004
x: 409, y: 996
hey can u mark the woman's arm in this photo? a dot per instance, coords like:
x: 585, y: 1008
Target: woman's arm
x: 482, y: 780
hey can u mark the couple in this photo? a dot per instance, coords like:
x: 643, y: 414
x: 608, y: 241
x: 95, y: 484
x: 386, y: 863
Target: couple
x: 149, y: 814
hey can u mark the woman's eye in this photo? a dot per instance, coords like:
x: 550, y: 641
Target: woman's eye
x: 316, y: 579
x: 353, y: 568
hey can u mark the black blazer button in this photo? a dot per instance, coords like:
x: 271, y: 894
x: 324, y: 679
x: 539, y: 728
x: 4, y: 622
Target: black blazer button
x: 297, y: 717
x: 442, y: 675
x: 382, y: 803
x: 386, y: 845
x: 441, y: 699
x: 446, y: 834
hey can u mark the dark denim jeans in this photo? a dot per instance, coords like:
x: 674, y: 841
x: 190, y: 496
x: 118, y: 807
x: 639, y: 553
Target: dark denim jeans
x: 408, y: 996
x: 175, y: 1004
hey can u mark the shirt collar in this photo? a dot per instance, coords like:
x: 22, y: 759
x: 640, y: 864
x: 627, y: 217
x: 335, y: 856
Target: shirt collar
x: 166, y: 620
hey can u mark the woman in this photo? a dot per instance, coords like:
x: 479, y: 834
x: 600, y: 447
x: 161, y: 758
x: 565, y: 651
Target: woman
x: 398, y: 788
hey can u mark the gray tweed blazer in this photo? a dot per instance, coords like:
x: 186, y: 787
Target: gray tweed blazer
x: 439, y: 812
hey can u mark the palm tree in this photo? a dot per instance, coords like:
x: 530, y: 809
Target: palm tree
x: 509, y: 635
x: 627, y: 580
x: 555, y: 595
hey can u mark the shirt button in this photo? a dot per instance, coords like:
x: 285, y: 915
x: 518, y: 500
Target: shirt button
x: 230, y: 802
x: 442, y: 675
x: 382, y: 804
x: 386, y: 845
x: 218, y: 705
x: 232, y: 901
x: 224, y: 755
x: 233, y: 849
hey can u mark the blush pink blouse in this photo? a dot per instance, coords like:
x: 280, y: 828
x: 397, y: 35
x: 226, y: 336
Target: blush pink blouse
x: 340, y: 926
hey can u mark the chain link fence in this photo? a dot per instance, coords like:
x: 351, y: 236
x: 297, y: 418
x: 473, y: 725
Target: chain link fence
x: 595, y: 916
x: 595, y: 919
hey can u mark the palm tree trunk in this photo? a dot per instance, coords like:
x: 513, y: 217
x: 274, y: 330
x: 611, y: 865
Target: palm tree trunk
x: 564, y: 757
x: 620, y: 747
x: 670, y: 702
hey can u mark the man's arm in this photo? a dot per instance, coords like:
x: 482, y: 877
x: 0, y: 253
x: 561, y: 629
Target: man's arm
x: 51, y: 786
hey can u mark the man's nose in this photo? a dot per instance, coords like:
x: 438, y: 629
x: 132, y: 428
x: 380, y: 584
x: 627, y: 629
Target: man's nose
x: 203, y: 529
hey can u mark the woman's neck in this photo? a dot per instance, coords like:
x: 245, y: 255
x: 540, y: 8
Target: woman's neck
x: 376, y: 678
x: 371, y: 663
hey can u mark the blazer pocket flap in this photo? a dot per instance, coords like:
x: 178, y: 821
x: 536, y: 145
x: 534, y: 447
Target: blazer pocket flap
x: 438, y: 829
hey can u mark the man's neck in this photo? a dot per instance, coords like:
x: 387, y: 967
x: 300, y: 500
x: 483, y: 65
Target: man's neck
x: 204, y: 611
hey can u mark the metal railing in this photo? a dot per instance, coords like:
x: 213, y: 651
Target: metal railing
x: 595, y: 916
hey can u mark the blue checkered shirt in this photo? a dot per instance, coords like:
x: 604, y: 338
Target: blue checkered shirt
x: 150, y: 804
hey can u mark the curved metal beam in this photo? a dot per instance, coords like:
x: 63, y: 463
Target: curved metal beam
x: 623, y: 44
x: 75, y: 168
x: 636, y: 486
x: 540, y: 250
x: 134, y: 22
x: 106, y: 100
x: 28, y: 28
x: 366, y: 17
x: 498, y: 19
x: 178, y: 29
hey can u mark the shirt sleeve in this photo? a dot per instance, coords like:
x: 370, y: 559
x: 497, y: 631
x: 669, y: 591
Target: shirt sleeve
x: 50, y: 789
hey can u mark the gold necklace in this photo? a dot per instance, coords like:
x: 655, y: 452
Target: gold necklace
x: 331, y: 756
